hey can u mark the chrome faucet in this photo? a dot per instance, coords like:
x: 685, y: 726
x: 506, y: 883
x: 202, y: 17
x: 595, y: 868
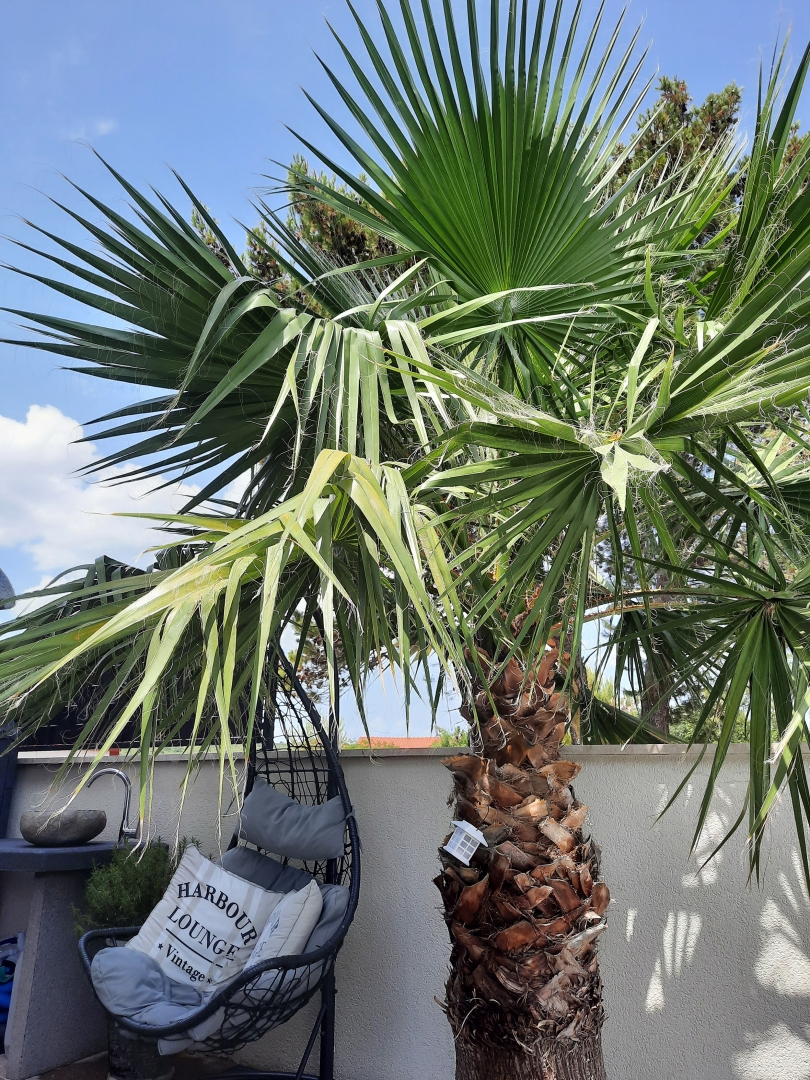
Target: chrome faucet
x: 126, y: 831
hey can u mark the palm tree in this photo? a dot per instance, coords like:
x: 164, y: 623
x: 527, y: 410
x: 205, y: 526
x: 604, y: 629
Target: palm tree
x: 557, y: 397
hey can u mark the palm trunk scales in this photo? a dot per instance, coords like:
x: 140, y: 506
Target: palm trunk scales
x: 524, y: 995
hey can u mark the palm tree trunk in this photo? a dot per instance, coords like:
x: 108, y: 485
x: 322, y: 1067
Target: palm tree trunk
x: 524, y: 995
x: 552, y: 1060
x: 655, y: 696
x: 656, y: 693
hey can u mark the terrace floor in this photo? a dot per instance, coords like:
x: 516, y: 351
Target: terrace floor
x: 186, y: 1067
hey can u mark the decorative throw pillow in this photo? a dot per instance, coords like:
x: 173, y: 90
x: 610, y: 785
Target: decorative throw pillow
x: 274, y: 822
x: 206, y: 926
x: 288, y: 929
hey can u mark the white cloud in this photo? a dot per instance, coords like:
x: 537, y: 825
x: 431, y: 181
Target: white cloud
x: 90, y: 129
x: 71, y: 54
x: 236, y: 489
x: 56, y: 517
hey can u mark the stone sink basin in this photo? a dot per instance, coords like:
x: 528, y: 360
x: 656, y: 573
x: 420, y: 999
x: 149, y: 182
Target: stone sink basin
x: 61, y: 828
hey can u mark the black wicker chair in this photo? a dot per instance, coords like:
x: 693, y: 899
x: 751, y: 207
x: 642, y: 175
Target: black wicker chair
x: 295, y: 754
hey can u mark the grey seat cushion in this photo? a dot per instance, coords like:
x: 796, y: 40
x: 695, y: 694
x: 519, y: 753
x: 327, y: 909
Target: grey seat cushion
x: 273, y: 821
x: 127, y: 982
x: 132, y: 984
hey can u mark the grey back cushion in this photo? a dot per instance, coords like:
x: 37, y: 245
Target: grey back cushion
x: 275, y: 822
x: 268, y: 873
x: 335, y: 901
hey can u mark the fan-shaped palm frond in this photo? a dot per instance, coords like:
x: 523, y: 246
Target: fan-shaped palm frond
x: 496, y: 160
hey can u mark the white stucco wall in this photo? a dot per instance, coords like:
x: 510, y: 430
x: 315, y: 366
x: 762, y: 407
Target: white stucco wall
x: 703, y: 976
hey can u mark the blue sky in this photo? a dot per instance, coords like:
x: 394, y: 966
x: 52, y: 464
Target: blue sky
x: 206, y: 87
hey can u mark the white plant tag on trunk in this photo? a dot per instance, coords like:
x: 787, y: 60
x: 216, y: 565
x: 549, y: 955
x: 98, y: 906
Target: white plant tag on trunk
x: 204, y: 929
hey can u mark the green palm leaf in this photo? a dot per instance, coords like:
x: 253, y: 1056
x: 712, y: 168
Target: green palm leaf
x: 498, y: 175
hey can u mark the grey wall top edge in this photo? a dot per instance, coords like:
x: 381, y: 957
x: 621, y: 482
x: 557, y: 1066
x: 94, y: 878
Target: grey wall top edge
x: 647, y: 750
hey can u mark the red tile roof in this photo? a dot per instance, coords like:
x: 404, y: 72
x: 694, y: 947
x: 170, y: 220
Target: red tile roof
x: 381, y: 741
